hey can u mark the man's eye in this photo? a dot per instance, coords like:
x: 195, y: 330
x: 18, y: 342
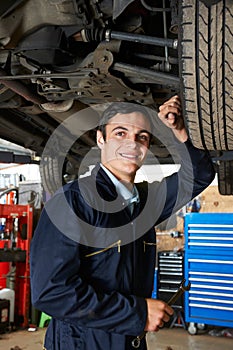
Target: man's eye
x: 143, y: 137
x: 120, y: 133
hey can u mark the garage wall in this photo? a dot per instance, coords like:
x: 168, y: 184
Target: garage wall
x: 211, y: 202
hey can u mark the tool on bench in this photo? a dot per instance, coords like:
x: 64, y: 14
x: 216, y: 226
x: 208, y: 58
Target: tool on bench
x: 182, y: 288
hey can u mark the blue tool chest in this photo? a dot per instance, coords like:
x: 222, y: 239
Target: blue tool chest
x: 208, y: 265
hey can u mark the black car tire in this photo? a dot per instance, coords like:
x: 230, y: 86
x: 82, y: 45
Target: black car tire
x: 225, y: 181
x: 206, y: 56
x: 51, y: 174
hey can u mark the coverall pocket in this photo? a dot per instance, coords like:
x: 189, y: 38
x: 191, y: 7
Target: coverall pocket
x: 103, y: 265
x: 148, y: 245
x: 110, y: 248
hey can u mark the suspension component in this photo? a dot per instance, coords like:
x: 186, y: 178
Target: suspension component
x: 108, y: 34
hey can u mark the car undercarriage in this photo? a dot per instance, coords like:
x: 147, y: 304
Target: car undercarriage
x: 59, y: 57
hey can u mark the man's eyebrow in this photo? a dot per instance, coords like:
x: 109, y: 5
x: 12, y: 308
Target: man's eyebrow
x: 119, y: 127
x: 144, y: 130
x: 124, y: 128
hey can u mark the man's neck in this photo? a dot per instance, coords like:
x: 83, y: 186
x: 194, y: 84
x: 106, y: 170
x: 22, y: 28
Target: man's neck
x: 127, y: 184
x: 126, y: 179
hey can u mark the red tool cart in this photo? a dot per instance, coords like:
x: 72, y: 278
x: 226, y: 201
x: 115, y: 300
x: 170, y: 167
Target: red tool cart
x: 16, y: 234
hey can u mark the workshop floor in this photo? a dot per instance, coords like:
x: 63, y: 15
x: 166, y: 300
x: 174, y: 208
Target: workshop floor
x: 165, y: 339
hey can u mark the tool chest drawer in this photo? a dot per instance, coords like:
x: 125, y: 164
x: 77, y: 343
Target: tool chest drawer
x: 170, y: 274
x: 210, y: 233
x: 209, y: 268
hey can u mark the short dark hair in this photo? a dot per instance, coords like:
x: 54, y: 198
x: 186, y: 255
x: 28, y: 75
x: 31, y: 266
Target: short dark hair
x: 123, y: 108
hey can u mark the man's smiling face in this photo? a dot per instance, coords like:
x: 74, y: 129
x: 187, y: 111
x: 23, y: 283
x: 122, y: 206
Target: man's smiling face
x: 125, y: 146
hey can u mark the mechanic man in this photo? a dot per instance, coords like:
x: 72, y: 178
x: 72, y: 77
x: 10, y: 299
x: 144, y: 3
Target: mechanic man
x: 93, y: 252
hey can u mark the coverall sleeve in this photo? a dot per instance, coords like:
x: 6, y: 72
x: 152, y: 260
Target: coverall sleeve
x: 59, y: 290
x: 195, y: 174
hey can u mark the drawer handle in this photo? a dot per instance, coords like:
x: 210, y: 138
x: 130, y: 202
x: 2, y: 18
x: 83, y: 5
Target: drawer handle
x: 211, y: 231
x: 211, y: 245
x: 220, y: 301
x: 211, y: 261
x: 211, y: 225
x: 210, y: 238
x: 211, y: 307
x: 206, y: 286
x: 211, y: 274
x: 210, y: 280
x: 226, y: 295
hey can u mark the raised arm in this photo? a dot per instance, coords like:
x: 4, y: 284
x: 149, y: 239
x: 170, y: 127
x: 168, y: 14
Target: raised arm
x: 196, y: 167
x: 195, y: 174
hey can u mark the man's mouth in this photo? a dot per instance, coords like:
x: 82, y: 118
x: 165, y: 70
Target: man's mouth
x: 130, y: 156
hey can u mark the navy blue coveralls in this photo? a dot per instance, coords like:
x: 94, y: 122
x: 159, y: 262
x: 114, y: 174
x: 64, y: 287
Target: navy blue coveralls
x: 94, y: 286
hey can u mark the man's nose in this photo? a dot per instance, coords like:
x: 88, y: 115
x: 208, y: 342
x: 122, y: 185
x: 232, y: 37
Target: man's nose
x: 132, y: 140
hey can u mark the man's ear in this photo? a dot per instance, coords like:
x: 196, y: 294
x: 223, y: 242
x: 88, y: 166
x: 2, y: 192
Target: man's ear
x: 99, y: 139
